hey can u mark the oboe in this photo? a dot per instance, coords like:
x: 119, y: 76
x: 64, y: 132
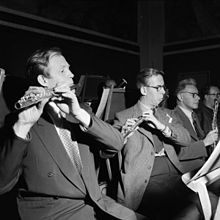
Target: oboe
x: 35, y: 97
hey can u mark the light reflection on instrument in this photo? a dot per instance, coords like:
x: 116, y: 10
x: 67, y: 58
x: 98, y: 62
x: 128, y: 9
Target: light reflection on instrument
x: 214, y: 120
x: 142, y: 118
x: 130, y: 130
x: 35, y: 97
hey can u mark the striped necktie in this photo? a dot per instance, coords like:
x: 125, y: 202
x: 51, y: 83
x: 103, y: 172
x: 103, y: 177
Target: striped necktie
x: 196, y: 125
x: 70, y: 145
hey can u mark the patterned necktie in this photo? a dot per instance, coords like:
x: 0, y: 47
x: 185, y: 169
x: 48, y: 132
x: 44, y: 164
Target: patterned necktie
x: 197, y: 126
x: 70, y: 146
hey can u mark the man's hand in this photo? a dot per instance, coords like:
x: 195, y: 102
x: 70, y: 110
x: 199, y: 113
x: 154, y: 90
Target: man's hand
x: 211, y: 137
x: 29, y: 116
x: 68, y: 103
x: 152, y: 121
x: 129, y: 127
x: 66, y: 99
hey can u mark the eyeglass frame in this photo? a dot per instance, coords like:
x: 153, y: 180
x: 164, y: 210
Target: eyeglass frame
x: 214, y: 94
x: 194, y: 94
x: 158, y: 88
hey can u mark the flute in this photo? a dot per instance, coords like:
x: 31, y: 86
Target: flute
x: 138, y: 122
x: 35, y: 97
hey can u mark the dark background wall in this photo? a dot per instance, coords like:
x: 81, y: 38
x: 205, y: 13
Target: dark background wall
x: 16, y: 45
x: 196, y: 59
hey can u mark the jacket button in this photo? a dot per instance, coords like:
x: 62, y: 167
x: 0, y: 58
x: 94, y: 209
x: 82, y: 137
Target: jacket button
x: 148, y: 167
x: 50, y: 174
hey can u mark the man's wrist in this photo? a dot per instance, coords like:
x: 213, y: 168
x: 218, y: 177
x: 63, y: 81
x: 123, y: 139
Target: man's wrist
x: 21, y: 130
x: 83, y: 117
x: 166, y: 131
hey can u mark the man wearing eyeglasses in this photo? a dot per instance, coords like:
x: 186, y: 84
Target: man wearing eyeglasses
x: 187, y: 98
x: 150, y: 171
x: 211, y: 95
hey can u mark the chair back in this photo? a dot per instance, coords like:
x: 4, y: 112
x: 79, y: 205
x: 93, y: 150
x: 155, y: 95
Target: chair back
x: 116, y: 103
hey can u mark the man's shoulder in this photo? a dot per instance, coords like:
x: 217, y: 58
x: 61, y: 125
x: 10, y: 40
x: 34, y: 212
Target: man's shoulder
x: 127, y: 111
x: 164, y: 110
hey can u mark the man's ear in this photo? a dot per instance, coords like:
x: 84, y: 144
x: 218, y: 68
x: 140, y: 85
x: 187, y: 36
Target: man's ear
x: 143, y: 90
x: 179, y: 97
x: 42, y: 80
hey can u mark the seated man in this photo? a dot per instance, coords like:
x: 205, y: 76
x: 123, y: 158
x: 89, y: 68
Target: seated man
x: 150, y: 180
x: 187, y: 97
x: 46, y: 149
x: 208, y: 111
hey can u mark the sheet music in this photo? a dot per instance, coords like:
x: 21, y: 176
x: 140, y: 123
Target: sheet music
x: 207, y: 174
x: 211, y: 164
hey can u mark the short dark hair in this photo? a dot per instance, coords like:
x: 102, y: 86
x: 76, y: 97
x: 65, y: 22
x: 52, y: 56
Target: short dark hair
x: 37, y: 63
x: 183, y: 83
x: 144, y: 75
x: 206, y: 89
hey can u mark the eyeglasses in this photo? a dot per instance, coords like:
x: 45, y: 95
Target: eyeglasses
x: 194, y: 94
x: 214, y: 94
x: 158, y: 88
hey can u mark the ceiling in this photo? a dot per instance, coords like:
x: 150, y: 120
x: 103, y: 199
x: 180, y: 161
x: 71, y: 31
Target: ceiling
x: 184, y: 19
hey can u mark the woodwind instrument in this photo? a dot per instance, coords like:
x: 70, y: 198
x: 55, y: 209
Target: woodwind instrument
x: 2, y: 78
x: 214, y: 119
x: 130, y: 130
x: 35, y: 97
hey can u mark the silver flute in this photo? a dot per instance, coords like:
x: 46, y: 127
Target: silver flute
x: 137, y: 123
x: 142, y: 118
x: 35, y: 97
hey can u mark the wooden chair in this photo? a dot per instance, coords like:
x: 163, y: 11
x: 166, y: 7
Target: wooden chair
x: 3, y: 108
x: 87, y: 83
x: 112, y: 101
x: 116, y: 103
x: 101, y: 109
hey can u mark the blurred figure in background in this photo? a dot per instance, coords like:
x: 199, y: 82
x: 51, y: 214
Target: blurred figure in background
x: 187, y: 98
x: 150, y: 170
x: 208, y: 112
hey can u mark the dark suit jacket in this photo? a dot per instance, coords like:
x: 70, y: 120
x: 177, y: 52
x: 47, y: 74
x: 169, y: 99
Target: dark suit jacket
x: 205, y: 115
x: 137, y: 157
x: 194, y: 156
x: 49, y: 185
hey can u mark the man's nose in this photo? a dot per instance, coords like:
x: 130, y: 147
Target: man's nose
x: 70, y: 74
x: 164, y: 90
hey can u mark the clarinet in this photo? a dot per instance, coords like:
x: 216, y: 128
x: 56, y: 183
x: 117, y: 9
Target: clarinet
x: 35, y: 97
x: 214, y: 120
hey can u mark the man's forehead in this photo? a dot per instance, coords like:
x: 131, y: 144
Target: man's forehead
x: 191, y: 88
x: 156, y: 79
x: 214, y: 89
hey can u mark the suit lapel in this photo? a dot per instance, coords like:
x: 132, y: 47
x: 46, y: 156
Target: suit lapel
x: 136, y: 113
x: 88, y: 174
x: 55, y: 148
x: 186, y: 123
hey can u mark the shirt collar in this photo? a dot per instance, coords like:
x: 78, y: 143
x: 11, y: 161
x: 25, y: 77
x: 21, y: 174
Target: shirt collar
x: 144, y: 107
x: 187, y: 112
x: 56, y: 110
